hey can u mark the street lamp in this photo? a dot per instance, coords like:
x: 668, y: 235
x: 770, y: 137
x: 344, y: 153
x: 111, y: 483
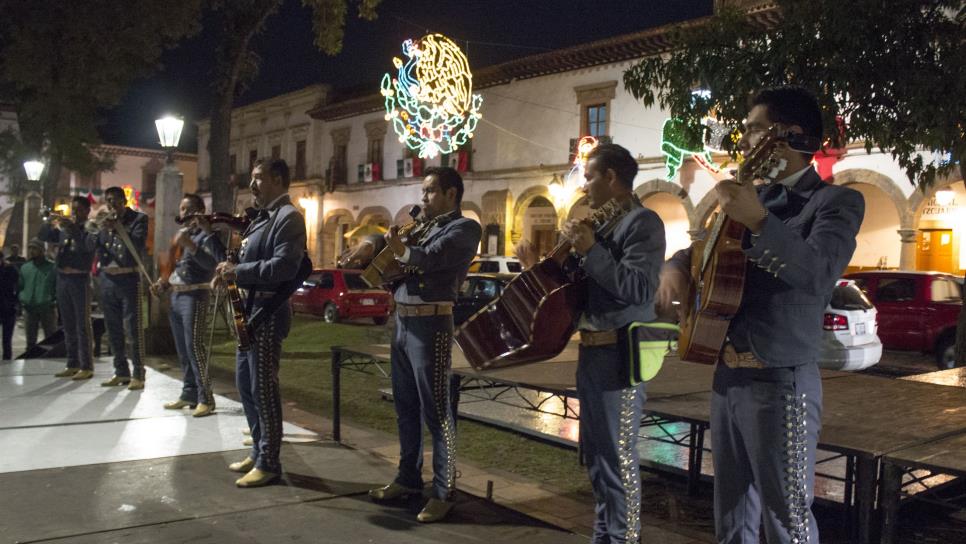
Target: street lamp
x: 34, y: 170
x: 169, y: 132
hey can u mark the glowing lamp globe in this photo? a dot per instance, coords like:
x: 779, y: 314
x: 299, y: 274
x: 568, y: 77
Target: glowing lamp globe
x: 34, y: 170
x: 169, y: 131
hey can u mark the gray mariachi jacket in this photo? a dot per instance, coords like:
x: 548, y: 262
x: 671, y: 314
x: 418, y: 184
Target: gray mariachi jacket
x: 622, y: 272
x: 442, y: 257
x: 75, y: 246
x: 272, y: 248
x: 199, y: 267
x: 111, y: 248
x: 806, y: 243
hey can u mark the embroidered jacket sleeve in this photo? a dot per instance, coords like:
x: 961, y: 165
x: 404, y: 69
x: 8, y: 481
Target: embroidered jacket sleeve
x: 813, y: 262
x: 287, y: 246
x: 634, y: 277
x: 450, y: 249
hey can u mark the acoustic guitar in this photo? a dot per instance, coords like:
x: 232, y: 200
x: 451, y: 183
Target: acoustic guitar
x: 718, y: 264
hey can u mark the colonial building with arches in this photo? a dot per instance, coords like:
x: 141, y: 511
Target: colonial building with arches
x: 518, y: 167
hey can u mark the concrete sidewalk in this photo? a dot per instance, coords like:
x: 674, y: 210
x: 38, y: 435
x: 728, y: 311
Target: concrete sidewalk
x: 84, y: 463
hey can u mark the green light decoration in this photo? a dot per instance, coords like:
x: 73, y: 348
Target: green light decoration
x: 678, y: 143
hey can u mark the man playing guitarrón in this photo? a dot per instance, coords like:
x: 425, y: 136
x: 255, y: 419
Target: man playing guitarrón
x: 767, y: 394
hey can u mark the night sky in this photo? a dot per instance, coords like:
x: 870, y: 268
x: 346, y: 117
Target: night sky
x: 489, y: 31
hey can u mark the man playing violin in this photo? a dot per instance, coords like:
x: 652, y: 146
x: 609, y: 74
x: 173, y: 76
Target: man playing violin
x: 767, y: 393
x: 122, y: 298
x: 201, y: 250
x: 273, y: 247
x: 621, y: 278
x: 422, y: 344
x: 75, y: 253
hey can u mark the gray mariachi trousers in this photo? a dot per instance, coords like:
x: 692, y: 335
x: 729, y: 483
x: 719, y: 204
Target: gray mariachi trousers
x: 189, y: 323
x: 610, y: 418
x: 764, y: 431
x: 123, y: 303
x: 420, y: 360
x: 256, y: 376
x: 74, y: 303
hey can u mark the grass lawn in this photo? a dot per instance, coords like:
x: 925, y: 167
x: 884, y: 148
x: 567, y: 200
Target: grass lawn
x: 306, y: 379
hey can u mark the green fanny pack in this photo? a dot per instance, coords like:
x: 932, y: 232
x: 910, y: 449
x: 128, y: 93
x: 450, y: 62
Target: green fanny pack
x: 642, y: 349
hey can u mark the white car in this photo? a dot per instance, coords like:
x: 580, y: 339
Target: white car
x: 496, y: 264
x: 850, y: 340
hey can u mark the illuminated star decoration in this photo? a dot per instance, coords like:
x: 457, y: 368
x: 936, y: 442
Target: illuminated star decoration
x: 430, y: 101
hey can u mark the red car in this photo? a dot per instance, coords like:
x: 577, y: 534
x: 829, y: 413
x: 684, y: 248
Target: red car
x: 917, y: 310
x: 337, y: 294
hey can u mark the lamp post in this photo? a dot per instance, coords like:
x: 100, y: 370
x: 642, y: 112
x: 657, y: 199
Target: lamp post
x: 32, y: 201
x: 167, y: 199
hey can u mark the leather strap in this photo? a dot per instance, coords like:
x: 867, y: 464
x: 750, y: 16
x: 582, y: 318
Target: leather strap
x: 182, y: 288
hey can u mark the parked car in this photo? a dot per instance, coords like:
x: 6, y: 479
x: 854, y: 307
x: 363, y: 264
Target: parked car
x: 849, y: 340
x: 917, y: 310
x: 476, y: 292
x: 496, y: 264
x: 337, y: 294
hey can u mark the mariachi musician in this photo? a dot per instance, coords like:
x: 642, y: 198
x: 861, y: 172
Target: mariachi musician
x: 621, y: 273
x: 766, y: 406
x: 201, y: 250
x: 272, y: 248
x: 121, y: 295
x: 75, y: 254
x: 436, y: 263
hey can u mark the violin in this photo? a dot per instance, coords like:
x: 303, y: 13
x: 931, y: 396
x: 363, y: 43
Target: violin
x: 235, y: 222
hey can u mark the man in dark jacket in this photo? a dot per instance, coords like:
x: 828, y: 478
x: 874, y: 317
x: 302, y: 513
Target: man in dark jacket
x: 122, y: 296
x: 766, y: 405
x: 75, y: 253
x: 421, y: 348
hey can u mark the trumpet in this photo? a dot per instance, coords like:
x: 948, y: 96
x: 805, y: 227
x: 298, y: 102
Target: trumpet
x: 96, y: 223
x: 48, y: 214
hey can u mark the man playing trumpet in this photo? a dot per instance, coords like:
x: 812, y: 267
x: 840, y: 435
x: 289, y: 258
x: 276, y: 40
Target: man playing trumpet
x: 201, y: 250
x: 75, y: 253
x: 121, y: 295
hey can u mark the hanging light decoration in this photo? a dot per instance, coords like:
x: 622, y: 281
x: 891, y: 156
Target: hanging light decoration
x: 430, y: 102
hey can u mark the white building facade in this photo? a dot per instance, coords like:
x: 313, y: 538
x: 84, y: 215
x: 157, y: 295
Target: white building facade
x: 516, y: 166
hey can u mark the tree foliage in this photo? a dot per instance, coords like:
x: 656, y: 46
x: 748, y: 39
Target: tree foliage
x: 894, y: 70
x: 236, y: 65
x: 62, y: 62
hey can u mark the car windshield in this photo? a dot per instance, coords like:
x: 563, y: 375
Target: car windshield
x: 355, y: 282
x: 849, y: 297
x: 312, y: 280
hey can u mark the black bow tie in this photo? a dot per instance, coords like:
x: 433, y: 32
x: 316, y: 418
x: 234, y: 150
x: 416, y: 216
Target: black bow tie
x: 775, y: 197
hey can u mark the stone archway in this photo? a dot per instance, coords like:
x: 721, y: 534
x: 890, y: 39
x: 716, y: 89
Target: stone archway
x: 520, y: 208
x: 377, y: 215
x: 332, y: 234
x: 876, y: 243
x: 677, y: 235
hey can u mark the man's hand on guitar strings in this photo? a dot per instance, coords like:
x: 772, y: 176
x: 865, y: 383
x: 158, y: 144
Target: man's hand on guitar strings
x: 740, y: 203
x: 580, y: 234
x: 394, y: 241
